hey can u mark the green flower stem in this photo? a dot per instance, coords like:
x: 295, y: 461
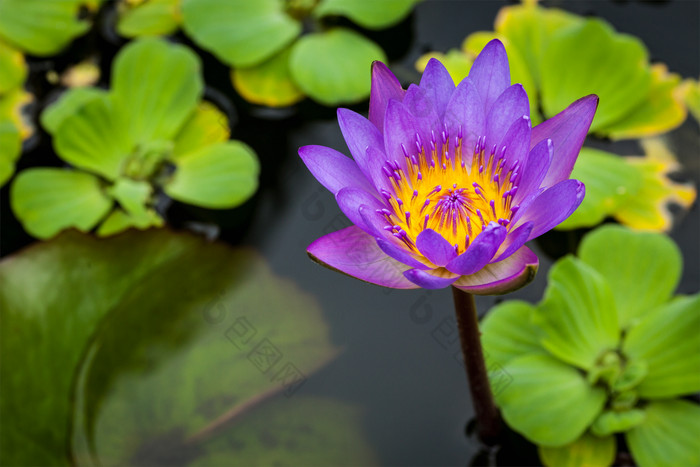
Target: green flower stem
x: 488, y: 419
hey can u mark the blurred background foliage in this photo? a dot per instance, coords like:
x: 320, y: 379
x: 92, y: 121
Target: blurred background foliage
x: 165, y: 124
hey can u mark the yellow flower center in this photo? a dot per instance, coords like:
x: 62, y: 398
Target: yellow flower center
x: 453, y: 193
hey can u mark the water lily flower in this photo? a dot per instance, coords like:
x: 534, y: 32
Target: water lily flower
x: 449, y: 183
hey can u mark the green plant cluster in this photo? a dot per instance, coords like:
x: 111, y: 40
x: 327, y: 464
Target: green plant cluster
x: 608, y: 351
x: 275, y: 62
x: 559, y: 57
x: 150, y: 133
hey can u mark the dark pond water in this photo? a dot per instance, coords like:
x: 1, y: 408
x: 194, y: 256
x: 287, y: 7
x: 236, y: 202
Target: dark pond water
x: 399, y: 361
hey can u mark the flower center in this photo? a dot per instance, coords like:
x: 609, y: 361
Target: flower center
x: 453, y: 192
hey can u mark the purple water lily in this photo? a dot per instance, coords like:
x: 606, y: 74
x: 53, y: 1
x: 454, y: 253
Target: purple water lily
x: 448, y: 183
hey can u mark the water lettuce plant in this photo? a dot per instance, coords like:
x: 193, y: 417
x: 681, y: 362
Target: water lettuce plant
x: 448, y: 184
x: 608, y: 351
x: 13, y: 72
x: 149, y: 134
x: 155, y: 339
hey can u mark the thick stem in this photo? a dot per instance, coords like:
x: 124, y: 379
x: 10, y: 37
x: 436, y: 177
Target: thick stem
x: 488, y: 419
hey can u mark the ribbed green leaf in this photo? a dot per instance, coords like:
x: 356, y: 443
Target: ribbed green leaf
x: 667, y: 339
x: 269, y: 83
x: 369, y: 14
x: 668, y: 436
x: 69, y: 103
x: 207, y: 125
x: 508, y: 332
x: 548, y: 401
x: 47, y: 201
x: 240, y: 32
x: 10, y: 149
x: 151, y: 18
x: 13, y: 68
x: 334, y: 66
x: 587, y: 451
x: 577, y: 315
x: 642, y: 269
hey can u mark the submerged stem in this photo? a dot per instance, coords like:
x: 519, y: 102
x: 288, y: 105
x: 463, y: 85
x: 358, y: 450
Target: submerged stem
x: 487, y: 417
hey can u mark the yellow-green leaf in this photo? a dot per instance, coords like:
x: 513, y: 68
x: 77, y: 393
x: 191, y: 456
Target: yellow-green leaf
x: 269, y: 83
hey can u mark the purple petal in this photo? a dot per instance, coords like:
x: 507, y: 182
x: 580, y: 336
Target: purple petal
x: 375, y: 161
x: 502, y: 277
x: 333, y: 169
x: 424, y: 113
x: 517, y: 144
x: 375, y: 223
x: 509, y: 107
x: 400, y: 254
x: 438, y: 84
x: 514, y: 240
x: 401, y: 128
x: 434, y: 247
x: 567, y: 130
x: 535, y: 169
x: 385, y: 87
x: 428, y: 281
x: 359, y: 135
x: 552, y: 207
x: 355, y: 253
x: 490, y: 73
x: 465, y: 115
x: 349, y: 201
x: 480, y: 251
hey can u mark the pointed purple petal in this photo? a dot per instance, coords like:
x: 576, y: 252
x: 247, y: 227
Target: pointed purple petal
x: 505, y: 276
x: 334, y: 170
x: 438, y: 84
x: 349, y: 201
x: 428, y: 281
x: 567, y: 130
x: 514, y: 240
x: 517, y: 144
x: 359, y: 135
x: 535, y: 169
x: 509, y: 107
x: 385, y: 86
x: 375, y: 223
x: 401, y: 130
x: 552, y: 207
x: 434, y: 247
x: 424, y: 112
x: 355, y: 253
x: 490, y: 73
x: 400, y: 254
x: 465, y: 115
x: 375, y: 161
x: 480, y: 251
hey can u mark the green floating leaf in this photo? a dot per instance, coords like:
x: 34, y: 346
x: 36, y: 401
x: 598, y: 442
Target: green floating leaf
x: 156, y: 87
x: 587, y: 451
x: 369, y: 14
x: 41, y: 27
x: 668, y: 436
x: 12, y: 107
x: 591, y: 58
x: 642, y: 269
x: 69, y: 103
x: 661, y: 111
x: 13, y: 68
x: 611, y: 421
x: 667, y: 339
x: 47, y: 201
x: 149, y: 18
x: 577, y: 315
x: 10, y: 150
x: 92, y: 137
x: 649, y: 210
x: 119, y: 221
x: 207, y: 125
x: 690, y: 90
x: 548, y: 401
x: 218, y: 176
x: 333, y: 66
x: 132, y: 195
x: 269, y: 83
x: 508, y: 332
x: 610, y: 182
x: 240, y: 33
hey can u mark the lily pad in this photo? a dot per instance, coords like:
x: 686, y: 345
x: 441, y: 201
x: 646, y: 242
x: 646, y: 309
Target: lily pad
x: 269, y: 83
x: 369, y: 14
x: 136, y: 311
x: 149, y: 18
x: 610, y: 183
x: 642, y: 269
x: 577, y: 314
x: 54, y: 24
x: 50, y: 200
x: 240, y: 33
x: 668, y: 436
x: 334, y: 66
x: 587, y: 451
